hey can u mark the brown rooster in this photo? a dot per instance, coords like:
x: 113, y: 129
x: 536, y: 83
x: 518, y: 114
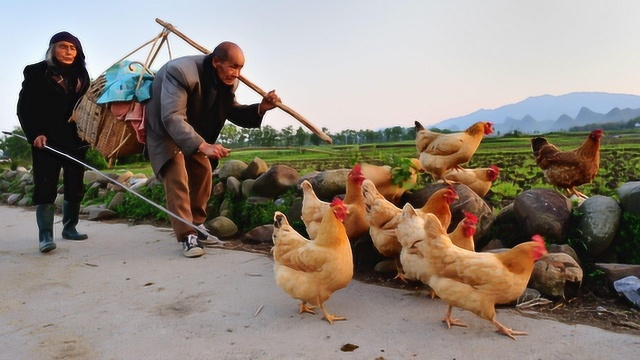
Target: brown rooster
x: 568, y: 169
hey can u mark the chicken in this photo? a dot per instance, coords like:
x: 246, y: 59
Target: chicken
x: 385, y: 178
x: 411, y: 229
x: 384, y: 217
x: 439, y: 153
x: 311, y: 271
x: 568, y: 169
x: 313, y: 209
x: 462, y: 236
x: 476, y: 281
x: 439, y: 204
x: 478, y: 180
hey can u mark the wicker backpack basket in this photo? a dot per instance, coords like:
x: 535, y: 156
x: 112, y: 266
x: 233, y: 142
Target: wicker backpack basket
x: 98, y: 126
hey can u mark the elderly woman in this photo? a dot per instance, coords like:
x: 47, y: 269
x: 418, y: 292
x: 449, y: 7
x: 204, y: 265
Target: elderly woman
x: 49, y: 92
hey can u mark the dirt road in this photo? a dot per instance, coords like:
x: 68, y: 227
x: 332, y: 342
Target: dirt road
x: 128, y: 293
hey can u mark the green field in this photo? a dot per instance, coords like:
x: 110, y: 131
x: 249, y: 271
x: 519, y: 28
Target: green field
x: 620, y: 160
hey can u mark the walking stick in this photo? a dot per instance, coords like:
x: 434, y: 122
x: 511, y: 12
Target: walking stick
x: 253, y: 86
x: 159, y: 207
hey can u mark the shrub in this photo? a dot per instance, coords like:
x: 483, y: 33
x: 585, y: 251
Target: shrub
x: 135, y: 208
x: 627, y: 243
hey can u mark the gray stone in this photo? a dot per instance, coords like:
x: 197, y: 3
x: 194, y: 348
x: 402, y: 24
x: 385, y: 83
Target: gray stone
x: 276, y: 181
x: 118, y: 199
x: 599, y: 223
x: 262, y: 234
x: 91, y: 176
x: 222, y: 227
x: 618, y: 271
x: 629, y: 195
x: 101, y: 214
x: 9, y: 175
x: 386, y: 266
x: 231, y: 168
x: 252, y: 200
x: 234, y: 186
x: 468, y: 201
x: 247, y: 187
x: 13, y: 199
x: 103, y: 179
x: 629, y: 287
x: 543, y: 211
x: 255, y: 168
x: 219, y: 189
x: 557, y: 274
x: 565, y: 249
x: 58, y: 201
x: 329, y: 184
x: 26, y: 178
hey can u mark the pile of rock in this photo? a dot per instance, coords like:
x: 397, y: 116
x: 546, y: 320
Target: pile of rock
x: 536, y: 211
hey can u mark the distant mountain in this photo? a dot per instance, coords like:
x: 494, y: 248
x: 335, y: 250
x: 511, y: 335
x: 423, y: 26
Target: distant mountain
x: 553, y: 113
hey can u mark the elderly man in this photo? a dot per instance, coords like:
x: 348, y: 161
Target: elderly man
x: 191, y: 98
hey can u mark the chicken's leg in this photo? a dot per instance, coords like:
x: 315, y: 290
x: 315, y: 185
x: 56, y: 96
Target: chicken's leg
x: 451, y: 322
x: 400, y: 274
x: 331, y: 318
x: 306, y: 309
x: 506, y: 331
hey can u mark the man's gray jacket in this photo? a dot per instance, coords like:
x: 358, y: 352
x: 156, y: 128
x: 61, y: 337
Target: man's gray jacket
x: 181, y: 114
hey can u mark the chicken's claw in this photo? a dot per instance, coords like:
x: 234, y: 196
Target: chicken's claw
x: 401, y: 276
x: 331, y: 318
x: 506, y: 331
x: 306, y: 309
x: 452, y: 322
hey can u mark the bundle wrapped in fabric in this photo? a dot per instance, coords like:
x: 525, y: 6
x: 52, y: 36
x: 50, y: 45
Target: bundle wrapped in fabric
x: 110, y: 116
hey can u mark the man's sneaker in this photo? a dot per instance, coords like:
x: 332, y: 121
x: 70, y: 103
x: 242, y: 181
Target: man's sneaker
x: 205, y: 238
x: 191, y: 247
x: 202, y: 232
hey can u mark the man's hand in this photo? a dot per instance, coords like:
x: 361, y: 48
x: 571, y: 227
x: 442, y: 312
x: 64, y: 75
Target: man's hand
x: 40, y: 142
x: 214, y: 151
x: 268, y: 102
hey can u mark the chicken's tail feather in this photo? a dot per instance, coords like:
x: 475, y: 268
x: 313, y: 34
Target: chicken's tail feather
x: 537, y: 143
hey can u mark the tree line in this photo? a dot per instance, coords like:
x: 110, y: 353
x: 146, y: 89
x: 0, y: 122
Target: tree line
x: 267, y: 136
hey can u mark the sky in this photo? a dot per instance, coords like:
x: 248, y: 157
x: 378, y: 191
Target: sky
x: 355, y: 64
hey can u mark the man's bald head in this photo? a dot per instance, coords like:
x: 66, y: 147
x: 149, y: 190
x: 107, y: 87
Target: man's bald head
x: 226, y: 49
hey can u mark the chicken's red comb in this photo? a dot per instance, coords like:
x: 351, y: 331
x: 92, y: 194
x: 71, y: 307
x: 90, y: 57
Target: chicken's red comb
x: 336, y: 202
x: 538, y: 239
x: 471, y: 217
x: 495, y: 168
x: 357, y: 169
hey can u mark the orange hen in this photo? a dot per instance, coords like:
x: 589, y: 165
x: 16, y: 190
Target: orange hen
x: 439, y: 152
x: 382, y: 177
x: 568, y: 169
x: 476, y: 281
x: 478, y: 180
x: 313, y: 209
x: 311, y: 271
x: 411, y: 229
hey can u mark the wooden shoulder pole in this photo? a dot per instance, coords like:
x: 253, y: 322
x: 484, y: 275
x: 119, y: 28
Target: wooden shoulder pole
x: 251, y: 85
